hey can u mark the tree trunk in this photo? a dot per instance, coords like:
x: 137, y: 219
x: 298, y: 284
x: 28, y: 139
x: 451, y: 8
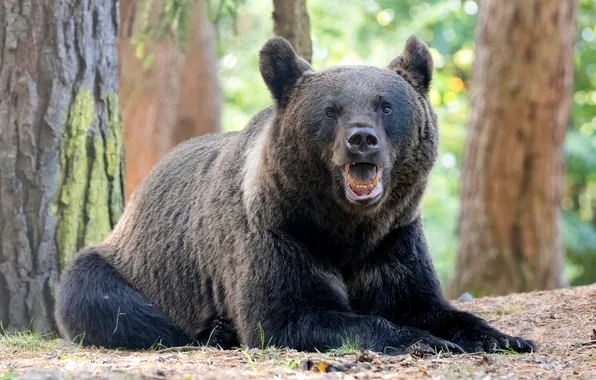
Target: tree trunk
x: 291, y: 21
x: 176, y: 98
x: 200, y: 98
x: 61, y: 146
x: 513, y: 173
x: 148, y: 96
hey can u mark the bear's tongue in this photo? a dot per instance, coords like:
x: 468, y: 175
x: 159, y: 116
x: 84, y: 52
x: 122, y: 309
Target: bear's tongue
x: 362, y: 178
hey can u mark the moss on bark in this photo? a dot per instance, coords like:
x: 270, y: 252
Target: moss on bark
x: 115, y: 158
x: 74, y: 173
x: 90, y: 194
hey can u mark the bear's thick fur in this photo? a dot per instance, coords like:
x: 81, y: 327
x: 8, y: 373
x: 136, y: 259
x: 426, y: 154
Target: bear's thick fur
x: 305, y: 227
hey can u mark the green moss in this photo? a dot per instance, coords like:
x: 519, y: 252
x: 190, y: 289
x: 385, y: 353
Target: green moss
x: 115, y: 158
x: 74, y: 164
x: 90, y: 196
x: 98, y: 215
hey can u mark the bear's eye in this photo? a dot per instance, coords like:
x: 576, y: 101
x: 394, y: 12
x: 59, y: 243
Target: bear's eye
x: 330, y: 113
x: 386, y: 109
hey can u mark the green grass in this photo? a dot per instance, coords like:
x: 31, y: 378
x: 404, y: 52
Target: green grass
x: 348, y: 347
x: 249, y: 359
x: 154, y: 347
x: 508, y: 351
x: 293, y: 364
x: 26, y: 341
x: 9, y: 375
x: 262, y: 338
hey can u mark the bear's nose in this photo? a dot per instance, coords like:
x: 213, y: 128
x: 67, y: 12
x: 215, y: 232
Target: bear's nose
x: 362, y: 141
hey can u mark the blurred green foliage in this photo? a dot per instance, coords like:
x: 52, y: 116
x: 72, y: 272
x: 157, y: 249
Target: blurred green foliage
x: 580, y: 201
x: 373, y: 32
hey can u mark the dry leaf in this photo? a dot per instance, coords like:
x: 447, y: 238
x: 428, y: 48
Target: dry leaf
x: 322, y: 366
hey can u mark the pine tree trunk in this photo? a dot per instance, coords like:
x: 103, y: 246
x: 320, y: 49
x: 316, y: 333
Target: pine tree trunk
x: 513, y: 173
x: 148, y: 96
x: 200, y: 98
x: 291, y: 21
x: 61, y: 146
x: 175, y: 98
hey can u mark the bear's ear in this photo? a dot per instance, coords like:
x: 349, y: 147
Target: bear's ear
x: 415, y: 64
x: 281, y: 68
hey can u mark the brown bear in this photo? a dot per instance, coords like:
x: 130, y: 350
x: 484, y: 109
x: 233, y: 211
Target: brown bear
x: 304, y: 229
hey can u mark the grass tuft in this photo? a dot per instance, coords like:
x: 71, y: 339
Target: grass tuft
x: 26, y: 341
x: 508, y: 351
x: 262, y: 339
x: 347, y: 348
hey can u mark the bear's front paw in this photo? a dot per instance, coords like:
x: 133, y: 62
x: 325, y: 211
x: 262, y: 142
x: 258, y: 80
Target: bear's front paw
x: 487, y: 339
x: 221, y: 333
x: 432, y: 345
x: 421, y: 342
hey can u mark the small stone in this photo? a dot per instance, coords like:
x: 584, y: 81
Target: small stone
x: 466, y: 297
x: 365, y: 357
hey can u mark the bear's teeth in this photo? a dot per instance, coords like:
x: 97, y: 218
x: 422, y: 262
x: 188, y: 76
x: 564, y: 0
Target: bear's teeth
x: 375, y: 181
x: 352, y: 183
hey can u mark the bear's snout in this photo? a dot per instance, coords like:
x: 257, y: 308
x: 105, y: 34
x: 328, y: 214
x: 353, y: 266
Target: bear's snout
x: 362, y: 142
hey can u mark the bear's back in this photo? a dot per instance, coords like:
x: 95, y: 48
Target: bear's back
x: 175, y: 224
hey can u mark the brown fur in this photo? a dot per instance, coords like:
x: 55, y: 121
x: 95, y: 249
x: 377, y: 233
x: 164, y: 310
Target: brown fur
x: 254, y: 226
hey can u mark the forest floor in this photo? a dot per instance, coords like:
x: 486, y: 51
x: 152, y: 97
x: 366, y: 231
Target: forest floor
x: 561, y: 322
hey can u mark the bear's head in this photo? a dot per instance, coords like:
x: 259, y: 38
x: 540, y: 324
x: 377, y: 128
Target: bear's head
x: 370, y: 132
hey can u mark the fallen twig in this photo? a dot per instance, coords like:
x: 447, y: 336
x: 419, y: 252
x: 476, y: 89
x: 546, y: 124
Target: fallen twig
x: 181, y: 349
x: 590, y: 343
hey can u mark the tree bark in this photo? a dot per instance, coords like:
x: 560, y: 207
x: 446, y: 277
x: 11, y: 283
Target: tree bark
x: 291, y: 21
x: 200, y: 98
x: 513, y: 172
x: 61, y: 146
x: 148, y: 96
x: 176, y: 98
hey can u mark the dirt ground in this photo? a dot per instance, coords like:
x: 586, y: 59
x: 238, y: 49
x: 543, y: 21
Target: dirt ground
x: 561, y: 322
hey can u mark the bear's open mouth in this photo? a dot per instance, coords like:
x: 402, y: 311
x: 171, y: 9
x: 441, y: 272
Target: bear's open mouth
x: 363, y: 180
